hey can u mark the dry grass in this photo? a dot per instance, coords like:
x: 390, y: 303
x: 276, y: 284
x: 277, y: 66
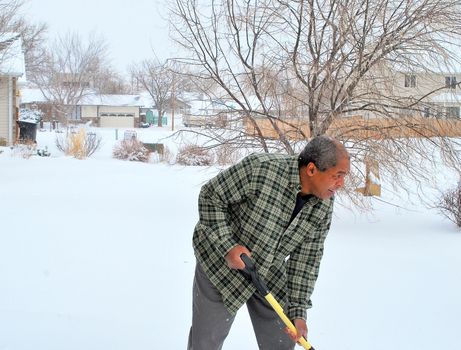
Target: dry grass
x: 194, y: 155
x: 79, y: 144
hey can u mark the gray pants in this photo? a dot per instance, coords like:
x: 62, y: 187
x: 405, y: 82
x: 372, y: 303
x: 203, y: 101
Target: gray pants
x: 211, y: 322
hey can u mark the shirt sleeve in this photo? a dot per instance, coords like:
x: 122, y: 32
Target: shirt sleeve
x: 229, y: 187
x: 303, y: 269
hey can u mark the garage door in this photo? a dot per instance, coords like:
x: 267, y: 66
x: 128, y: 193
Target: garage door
x: 117, y: 122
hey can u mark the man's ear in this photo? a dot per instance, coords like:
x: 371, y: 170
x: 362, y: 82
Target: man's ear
x: 311, y: 168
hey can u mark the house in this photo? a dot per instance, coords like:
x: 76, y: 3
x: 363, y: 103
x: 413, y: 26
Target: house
x: 110, y: 111
x: 419, y: 103
x: 149, y: 113
x: 205, y: 112
x: 440, y: 92
x: 12, y: 68
x: 114, y: 111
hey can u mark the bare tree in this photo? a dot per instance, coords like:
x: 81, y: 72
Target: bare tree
x: 301, y: 66
x: 111, y: 82
x: 158, y: 80
x: 69, y: 71
x: 32, y: 34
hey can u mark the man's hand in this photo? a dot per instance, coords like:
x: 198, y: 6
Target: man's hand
x: 233, y: 257
x: 301, y: 328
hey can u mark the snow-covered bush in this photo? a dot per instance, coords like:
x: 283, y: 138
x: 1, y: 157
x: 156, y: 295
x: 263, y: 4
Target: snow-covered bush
x: 194, y: 155
x: 132, y: 150
x: 79, y: 144
x: 450, y: 205
x: 23, y: 150
x: 167, y: 156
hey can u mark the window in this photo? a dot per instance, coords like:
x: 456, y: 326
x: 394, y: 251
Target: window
x: 76, y: 113
x: 410, y: 80
x: 426, y: 112
x: 452, y: 112
x: 450, y: 82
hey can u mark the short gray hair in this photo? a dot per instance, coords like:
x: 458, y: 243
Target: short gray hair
x: 323, y: 151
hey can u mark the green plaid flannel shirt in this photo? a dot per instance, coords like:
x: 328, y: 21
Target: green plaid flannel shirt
x: 251, y: 204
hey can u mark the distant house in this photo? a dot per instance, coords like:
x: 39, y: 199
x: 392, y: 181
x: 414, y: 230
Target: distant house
x: 113, y: 111
x: 110, y: 111
x: 12, y: 67
x: 149, y: 113
x: 442, y: 91
x: 208, y: 113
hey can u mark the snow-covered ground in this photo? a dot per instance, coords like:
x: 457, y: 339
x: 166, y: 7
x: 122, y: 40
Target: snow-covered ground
x: 96, y: 254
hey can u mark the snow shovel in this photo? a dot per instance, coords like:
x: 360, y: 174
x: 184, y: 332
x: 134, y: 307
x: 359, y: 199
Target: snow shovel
x: 250, y: 272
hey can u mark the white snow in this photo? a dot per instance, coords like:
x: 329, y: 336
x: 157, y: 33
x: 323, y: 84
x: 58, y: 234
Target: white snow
x: 30, y: 116
x: 11, y: 55
x: 33, y: 95
x: 112, y: 100
x: 96, y: 254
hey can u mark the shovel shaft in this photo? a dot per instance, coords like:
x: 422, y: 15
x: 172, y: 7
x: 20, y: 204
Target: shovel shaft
x: 251, y: 272
x: 278, y: 309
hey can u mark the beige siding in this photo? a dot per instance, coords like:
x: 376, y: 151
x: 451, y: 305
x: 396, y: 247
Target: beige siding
x: 4, y: 108
x: 89, y: 111
x: 117, y: 122
x: 426, y: 83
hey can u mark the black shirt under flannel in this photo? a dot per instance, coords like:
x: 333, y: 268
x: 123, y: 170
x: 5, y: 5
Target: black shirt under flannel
x: 251, y: 204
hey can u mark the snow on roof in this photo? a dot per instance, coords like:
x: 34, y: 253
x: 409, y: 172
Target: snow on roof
x: 112, y: 100
x: 146, y: 99
x: 29, y: 95
x: 12, y: 61
x: 201, y: 104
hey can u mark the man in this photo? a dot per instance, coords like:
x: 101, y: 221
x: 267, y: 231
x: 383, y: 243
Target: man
x: 276, y: 209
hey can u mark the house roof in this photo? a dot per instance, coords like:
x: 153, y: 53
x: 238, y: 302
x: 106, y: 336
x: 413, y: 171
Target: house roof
x: 12, y: 61
x: 112, y: 100
x: 148, y: 102
x: 31, y: 95
x: 206, y: 106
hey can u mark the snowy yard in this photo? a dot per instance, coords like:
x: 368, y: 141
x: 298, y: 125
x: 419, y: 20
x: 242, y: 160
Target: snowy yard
x: 96, y: 255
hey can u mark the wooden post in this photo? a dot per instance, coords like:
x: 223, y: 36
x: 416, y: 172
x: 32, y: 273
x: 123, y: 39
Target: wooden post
x: 372, y: 179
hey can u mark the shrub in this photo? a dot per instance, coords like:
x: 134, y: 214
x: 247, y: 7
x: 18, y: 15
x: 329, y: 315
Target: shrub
x: 132, y: 150
x: 162, y: 154
x: 194, y: 155
x: 79, y: 144
x: 167, y: 156
x: 226, y: 154
x: 23, y: 150
x: 450, y: 205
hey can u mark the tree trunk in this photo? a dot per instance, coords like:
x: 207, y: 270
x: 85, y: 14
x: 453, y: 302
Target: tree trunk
x: 160, y: 117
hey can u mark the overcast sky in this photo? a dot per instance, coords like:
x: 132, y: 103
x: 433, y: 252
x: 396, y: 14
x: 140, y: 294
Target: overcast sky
x: 134, y: 29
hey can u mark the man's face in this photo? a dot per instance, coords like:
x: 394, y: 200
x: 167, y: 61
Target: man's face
x: 324, y: 184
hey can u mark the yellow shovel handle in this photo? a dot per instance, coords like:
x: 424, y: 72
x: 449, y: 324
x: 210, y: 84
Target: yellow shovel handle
x: 278, y: 309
